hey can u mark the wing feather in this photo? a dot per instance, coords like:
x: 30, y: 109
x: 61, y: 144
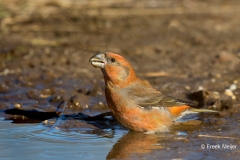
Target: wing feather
x: 148, y: 97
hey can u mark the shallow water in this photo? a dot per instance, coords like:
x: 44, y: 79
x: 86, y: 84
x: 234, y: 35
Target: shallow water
x: 34, y: 141
x: 37, y: 141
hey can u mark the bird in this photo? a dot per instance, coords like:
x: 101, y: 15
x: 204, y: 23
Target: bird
x: 134, y: 102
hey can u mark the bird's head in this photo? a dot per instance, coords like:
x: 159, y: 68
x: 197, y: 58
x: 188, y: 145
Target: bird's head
x: 116, y: 69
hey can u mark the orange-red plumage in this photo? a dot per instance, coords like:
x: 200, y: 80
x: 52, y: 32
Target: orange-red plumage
x: 134, y: 103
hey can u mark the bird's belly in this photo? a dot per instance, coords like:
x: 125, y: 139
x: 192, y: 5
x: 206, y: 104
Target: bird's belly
x: 142, y: 120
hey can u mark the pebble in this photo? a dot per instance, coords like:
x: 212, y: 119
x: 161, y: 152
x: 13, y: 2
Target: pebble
x: 200, y: 88
x: 17, y: 105
x: 214, y: 95
x: 225, y: 56
x: 218, y: 75
x: 187, y: 88
x: 45, y: 93
x: 233, y: 87
x: 228, y: 92
x: 213, y: 80
x: 45, y: 122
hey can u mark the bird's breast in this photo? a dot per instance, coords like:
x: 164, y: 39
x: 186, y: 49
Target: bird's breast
x: 134, y: 117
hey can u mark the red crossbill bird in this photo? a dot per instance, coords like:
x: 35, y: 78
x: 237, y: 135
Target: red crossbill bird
x: 135, y: 103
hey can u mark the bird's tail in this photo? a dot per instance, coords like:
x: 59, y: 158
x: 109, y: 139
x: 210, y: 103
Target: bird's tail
x: 202, y: 110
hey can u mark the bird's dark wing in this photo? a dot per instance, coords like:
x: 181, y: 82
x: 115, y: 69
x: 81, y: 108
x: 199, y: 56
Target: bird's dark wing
x: 149, y: 98
x: 160, y: 101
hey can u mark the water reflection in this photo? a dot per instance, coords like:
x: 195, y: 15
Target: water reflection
x: 135, y: 143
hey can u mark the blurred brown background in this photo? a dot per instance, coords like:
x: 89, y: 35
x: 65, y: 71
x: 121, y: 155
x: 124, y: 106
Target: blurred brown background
x: 194, y: 44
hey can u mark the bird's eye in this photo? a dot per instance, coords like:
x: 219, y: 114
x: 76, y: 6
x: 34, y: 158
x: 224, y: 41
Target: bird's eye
x: 113, y: 60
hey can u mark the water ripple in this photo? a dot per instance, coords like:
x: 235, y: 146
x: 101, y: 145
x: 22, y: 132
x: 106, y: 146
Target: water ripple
x: 25, y: 141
